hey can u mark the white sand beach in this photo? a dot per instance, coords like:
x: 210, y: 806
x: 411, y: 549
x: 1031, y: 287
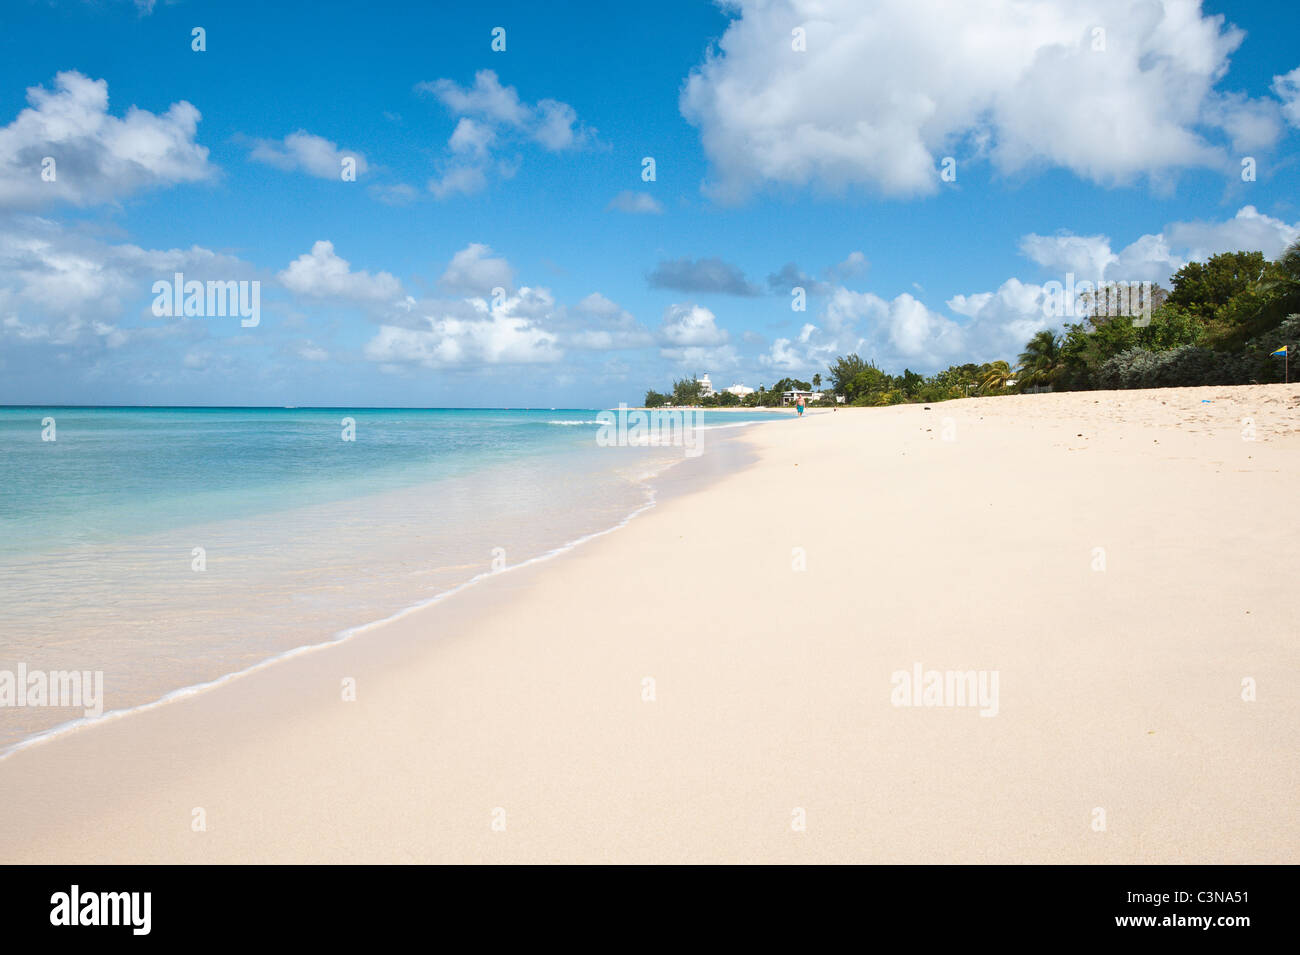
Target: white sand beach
x: 1124, y: 562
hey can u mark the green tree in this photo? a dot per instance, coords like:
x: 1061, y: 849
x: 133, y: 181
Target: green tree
x: 1263, y: 308
x: 686, y: 391
x: 1206, y: 287
x: 996, y: 378
x: 1041, y: 360
x: 845, y: 369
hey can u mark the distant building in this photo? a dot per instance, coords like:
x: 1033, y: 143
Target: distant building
x: 706, y: 387
x: 790, y: 397
x: 740, y: 391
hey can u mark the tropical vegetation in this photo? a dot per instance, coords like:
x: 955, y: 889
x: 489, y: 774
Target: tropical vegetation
x: 1218, y: 324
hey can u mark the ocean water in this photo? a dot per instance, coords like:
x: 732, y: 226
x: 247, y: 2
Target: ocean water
x: 167, y: 548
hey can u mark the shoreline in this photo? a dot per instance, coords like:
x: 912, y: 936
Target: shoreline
x: 773, y: 685
x: 653, y: 487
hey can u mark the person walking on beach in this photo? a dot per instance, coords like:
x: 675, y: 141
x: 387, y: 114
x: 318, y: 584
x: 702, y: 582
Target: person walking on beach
x: 799, y: 406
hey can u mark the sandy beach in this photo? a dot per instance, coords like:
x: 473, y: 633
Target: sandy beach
x: 717, y: 680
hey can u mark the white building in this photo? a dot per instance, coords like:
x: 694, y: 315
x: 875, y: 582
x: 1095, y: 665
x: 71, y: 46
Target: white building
x: 791, y: 397
x: 740, y: 390
x: 706, y: 387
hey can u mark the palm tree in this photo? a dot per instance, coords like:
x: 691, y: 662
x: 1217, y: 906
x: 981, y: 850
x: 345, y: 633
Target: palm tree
x: 1000, y: 372
x: 817, y: 382
x: 1041, y: 360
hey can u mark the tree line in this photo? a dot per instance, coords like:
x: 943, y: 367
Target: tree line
x: 1217, y: 324
x: 686, y: 391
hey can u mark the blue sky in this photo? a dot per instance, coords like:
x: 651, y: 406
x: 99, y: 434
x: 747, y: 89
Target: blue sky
x: 1113, y: 155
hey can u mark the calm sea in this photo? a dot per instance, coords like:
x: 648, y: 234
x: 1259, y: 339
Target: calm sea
x: 170, y: 547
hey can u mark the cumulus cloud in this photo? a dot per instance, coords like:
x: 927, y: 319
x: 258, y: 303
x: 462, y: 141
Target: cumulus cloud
x: 321, y: 273
x: 701, y: 276
x: 895, y: 333
x: 689, y: 335
x: 97, y: 157
x: 1287, y: 88
x: 1249, y: 229
x: 1001, y: 321
x: 477, y: 332
x: 314, y: 155
x: 691, y: 325
x: 557, y: 126
x: 474, y: 270
x: 1155, y: 257
x: 74, y: 309
x: 471, y: 137
x: 635, y: 202
x: 491, y: 115
x: 486, y: 98
x: 47, y: 271
x: 886, y: 89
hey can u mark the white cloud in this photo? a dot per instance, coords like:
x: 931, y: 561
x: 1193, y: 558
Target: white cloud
x: 458, y: 180
x: 1248, y: 230
x: 894, y: 333
x: 471, y: 137
x: 312, y: 154
x: 462, y: 180
x: 320, y: 273
x: 1155, y: 257
x: 1002, y: 321
x: 1081, y: 254
x: 552, y: 124
x: 1250, y: 124
x: 886, y: 89
x: 691, y: 325
x: 808, y: 353
x: 689, y: 335
x: 490, y: 334
x: 97, y: 157
x: 486, y: 98
x: 47, y: 271
x: 635, y: 202
x: 556, y: 124
x: 70, y: 298
x: 490, y: 115
x: 1287, y: 88
x: 474, y: 270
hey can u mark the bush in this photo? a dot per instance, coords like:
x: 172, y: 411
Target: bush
x: 1191, y: 365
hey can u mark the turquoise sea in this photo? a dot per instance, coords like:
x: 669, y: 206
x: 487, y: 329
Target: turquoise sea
x: 168, y: 547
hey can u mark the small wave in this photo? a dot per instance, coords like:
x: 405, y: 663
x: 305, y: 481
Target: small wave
x: 338, y: 637
x: 570, y: 423
x: 731, y: 424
